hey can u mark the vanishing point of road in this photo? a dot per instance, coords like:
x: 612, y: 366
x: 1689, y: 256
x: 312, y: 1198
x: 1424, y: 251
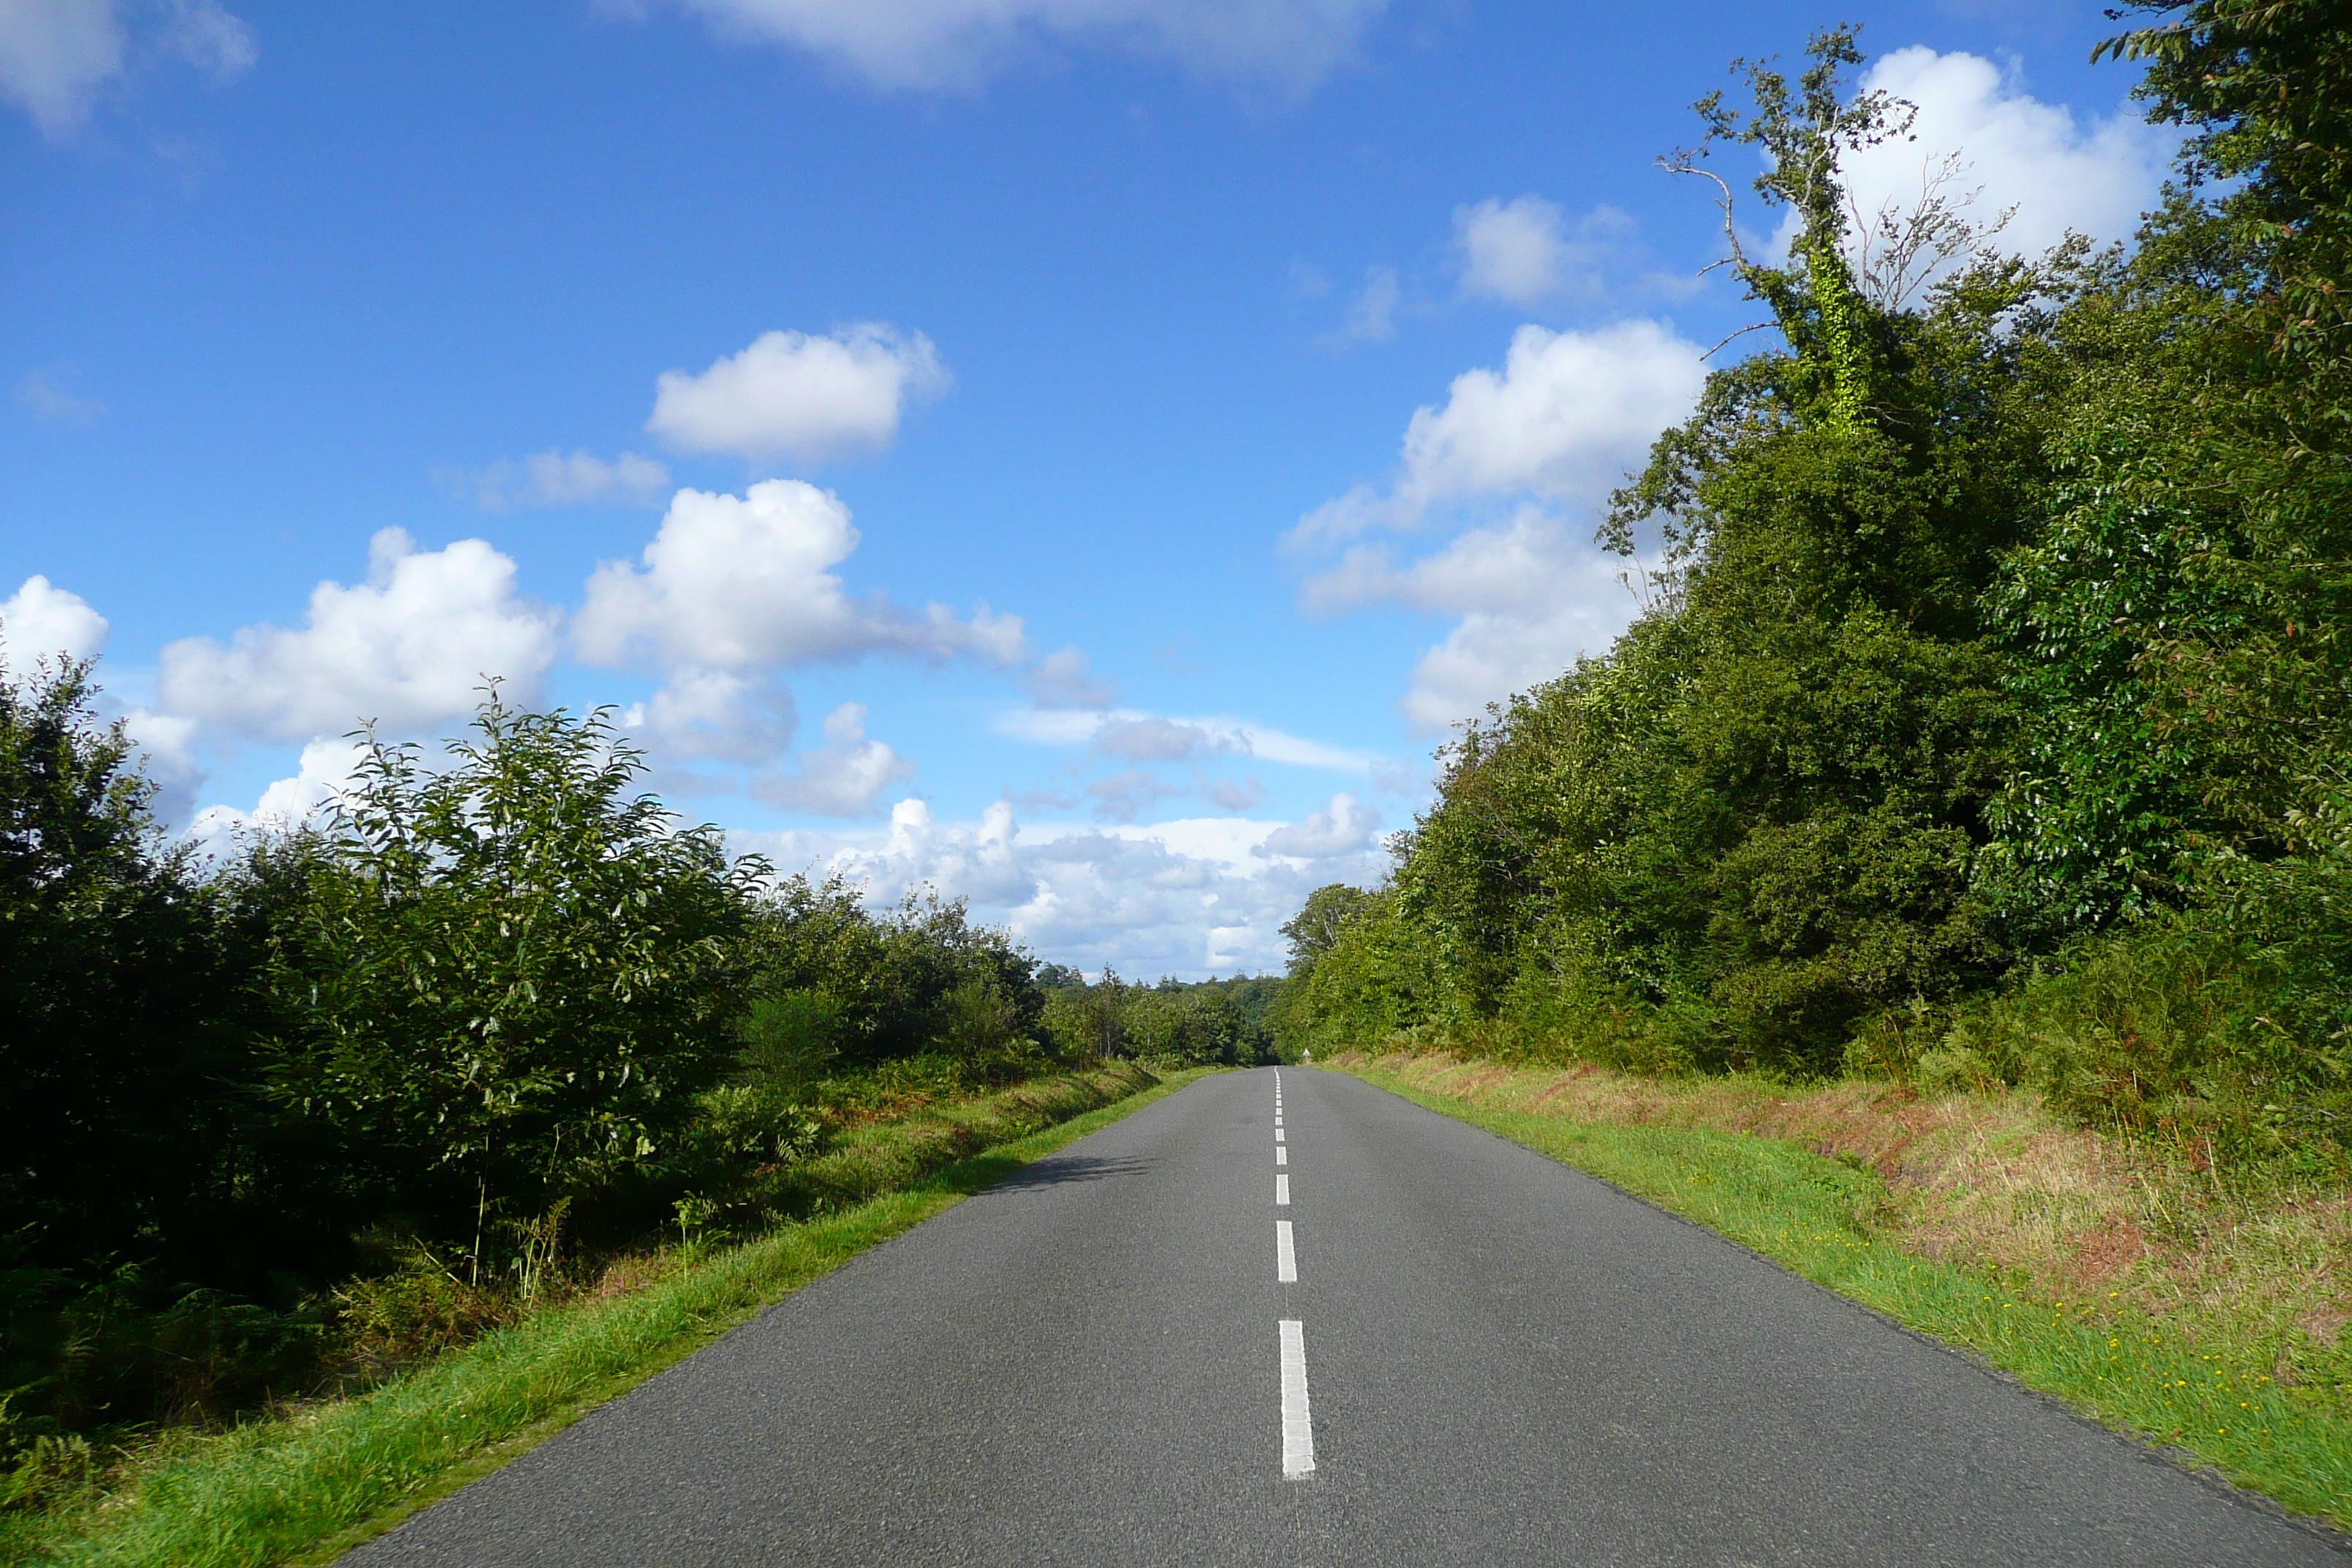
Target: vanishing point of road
x: 1287, y: 1318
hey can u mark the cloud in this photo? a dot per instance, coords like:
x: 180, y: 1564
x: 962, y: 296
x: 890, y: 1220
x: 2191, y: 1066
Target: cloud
x: 38, y: 395
x: 804, y: 398
x: 1526, y: 252
x: 41, y: 620
x: 1235, y: 794
x: 201, y: 33
x: 960, y: 44
x: 322, y: 774
x: 1138, y: 734
x: 55, y: 55
x: 165, y: 743
x: 554, y: 478
x: 1060, y: 680
x: 1531, y: 596
x: 1568, y: 414
x: 715, y: 715
x: 737, y: 583
x: 407, y: 647
x: 1151, y: 739
x: 2059, y: 174
x: 1190, y: 897
x: 1122, y: 797
x: 1343, y: 827
x: 1566, y: 418
x: 845, y: 777
x: 1372, y: 315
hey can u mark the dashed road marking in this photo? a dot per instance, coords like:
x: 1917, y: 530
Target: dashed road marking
x: 1286, y: 1253
x: 1297, y: 1425
x: 1282, y: 1189
x: 1278, y: 1134
x: 1281, y: 1155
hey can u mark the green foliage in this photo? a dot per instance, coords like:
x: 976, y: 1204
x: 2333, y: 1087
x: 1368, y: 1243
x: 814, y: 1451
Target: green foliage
x: 358, y: 1093
x: 1990, y: 715
x: 509, y: 976
x: 119, y: 1006
x: 839, y: 984
x: 1170, y: 1025
x: 1313, y: 930
x: 302, y: 1487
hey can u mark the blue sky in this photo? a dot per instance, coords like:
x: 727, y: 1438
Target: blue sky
x: 1081, y: 454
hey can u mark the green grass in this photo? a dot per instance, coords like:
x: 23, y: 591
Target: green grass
x: 1819, y: 1217
x: 303, y: 1488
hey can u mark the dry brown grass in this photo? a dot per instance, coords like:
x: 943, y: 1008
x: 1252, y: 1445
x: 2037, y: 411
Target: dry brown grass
x: 1994, y: 1179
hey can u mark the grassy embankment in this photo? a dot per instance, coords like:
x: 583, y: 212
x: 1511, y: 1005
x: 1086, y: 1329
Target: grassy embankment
x: 308, y: 1482
x: 2197, y: 1311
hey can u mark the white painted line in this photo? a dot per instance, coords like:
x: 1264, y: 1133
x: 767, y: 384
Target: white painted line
x: 1298, y: 1426
x: 1282, y: 1189
x: 1281, y: 1155
x: 1285, y: 1255
x: 1278, y: 1134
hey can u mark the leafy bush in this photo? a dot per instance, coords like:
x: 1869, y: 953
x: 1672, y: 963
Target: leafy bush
x: 508, y: 977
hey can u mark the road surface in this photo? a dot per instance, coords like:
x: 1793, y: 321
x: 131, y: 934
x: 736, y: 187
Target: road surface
x: 1316, y: 1324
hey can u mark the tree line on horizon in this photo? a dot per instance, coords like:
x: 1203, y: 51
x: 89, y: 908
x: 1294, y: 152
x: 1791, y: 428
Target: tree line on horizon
x: 1990, y: 717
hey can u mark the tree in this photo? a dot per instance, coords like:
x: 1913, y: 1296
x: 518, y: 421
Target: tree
x: 120, y: 1039
x: 1316, y: 927
x: 508, y: 975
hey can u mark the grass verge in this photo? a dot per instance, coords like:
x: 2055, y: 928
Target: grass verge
x: 2202, y: 1385
x: 306, y: 1486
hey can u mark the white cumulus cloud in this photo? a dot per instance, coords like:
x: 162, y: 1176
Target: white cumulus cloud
x: 407, y: 647
x: 715, y: 715
x: 801, y: 397
x: 1530, y: 594
x: 1565, y: 418
x: 2008, y: 150
x: 1527, y: 252
x: 844, y: 777
x: 1190, y: 897
x: 55, y: 55
x: 737, y: 583
x: 165, y: 743
x: 41, y: 620
x: 958, y: 43
x: 320, y: 776
x: 1343, y: 827
x: 1550, y: 434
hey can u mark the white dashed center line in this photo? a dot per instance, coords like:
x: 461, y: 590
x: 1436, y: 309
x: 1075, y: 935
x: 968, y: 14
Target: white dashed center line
x: 1282, y: 1189
x: 1281, y: 1155
x: 1286, y: 1253
x: 1278, y: 1134
x: 1298, y: 1426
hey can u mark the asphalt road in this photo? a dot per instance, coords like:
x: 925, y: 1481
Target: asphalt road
x: 1486, y: 1358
